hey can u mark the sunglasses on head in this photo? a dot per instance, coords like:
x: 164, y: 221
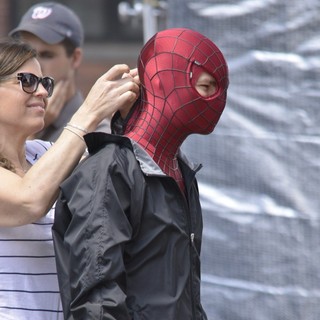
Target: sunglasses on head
x: 30, y: 82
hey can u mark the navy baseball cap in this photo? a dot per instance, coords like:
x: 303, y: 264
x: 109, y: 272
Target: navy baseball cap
x: 52, y: 22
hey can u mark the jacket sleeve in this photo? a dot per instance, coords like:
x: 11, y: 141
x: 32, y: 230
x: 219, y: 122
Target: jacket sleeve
x: 94, y: 221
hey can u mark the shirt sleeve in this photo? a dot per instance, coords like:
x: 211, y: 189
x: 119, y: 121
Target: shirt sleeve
x: 35, y: 149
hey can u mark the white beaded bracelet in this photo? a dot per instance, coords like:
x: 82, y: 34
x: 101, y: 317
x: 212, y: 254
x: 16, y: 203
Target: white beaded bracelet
x: 76, y: 127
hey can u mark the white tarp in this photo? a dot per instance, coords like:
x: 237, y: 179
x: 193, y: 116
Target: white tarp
x: 260, y: 182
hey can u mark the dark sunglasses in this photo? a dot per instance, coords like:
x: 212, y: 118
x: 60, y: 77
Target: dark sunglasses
x: 30, y: 83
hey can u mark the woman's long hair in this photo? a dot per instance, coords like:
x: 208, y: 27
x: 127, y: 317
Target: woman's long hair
x: 13, y: 54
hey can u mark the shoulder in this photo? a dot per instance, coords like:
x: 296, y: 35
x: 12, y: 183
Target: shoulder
x: 109, y: 155
x: 108, y: 158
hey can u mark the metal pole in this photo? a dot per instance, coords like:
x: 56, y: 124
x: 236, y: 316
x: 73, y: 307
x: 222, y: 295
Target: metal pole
x: 149, y: 18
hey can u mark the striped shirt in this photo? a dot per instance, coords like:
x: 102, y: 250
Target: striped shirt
x: 28, y: 277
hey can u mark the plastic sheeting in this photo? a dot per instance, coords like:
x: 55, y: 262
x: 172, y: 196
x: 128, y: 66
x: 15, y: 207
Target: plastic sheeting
x: 260, y: 182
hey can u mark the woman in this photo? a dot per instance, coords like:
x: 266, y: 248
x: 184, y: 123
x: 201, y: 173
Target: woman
x: 30, y: 175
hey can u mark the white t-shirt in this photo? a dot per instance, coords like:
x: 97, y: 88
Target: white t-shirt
x: 28, y: 277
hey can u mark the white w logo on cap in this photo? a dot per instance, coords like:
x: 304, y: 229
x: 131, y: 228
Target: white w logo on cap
x: 41, y: 13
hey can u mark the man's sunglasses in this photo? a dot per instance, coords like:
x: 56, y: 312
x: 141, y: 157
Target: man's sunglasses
x: 30, y: 82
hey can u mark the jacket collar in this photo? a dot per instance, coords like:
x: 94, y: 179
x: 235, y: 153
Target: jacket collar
x: 97, y: 140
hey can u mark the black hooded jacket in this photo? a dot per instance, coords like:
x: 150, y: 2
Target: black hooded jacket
x: 127, y: 240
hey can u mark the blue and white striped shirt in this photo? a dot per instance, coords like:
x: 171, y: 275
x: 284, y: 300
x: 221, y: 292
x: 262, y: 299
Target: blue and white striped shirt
x: 28, y: 277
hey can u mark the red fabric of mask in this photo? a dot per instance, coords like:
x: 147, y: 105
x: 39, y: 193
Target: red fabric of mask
x: 170, y: 108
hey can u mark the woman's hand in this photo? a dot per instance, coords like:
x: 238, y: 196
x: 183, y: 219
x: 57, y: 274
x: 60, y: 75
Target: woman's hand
x: 115, y: 90
x: 133, y: 74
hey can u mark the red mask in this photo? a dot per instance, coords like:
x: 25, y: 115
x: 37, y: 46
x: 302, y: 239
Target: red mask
x: 170, y: 108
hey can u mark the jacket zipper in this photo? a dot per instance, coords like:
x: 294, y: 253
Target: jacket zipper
x: 191, y: 236
x: 191, y: 273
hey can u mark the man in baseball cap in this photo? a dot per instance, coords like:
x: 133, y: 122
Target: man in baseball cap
x: 56, y: 32
x: 52, y: 22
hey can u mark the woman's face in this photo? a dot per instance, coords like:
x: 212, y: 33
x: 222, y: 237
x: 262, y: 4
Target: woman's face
x: 22, y: 112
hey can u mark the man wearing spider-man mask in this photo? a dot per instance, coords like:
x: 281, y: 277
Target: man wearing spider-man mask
x: 128, y: 222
